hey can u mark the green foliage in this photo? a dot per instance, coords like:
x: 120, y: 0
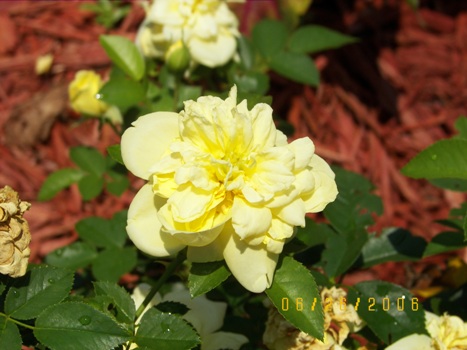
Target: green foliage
x: 443, y: 159
x: 295, y: 295
x: 124, y: 54
x: 389, y: 310
x: 73, y: 256
x: 58, y: 181
x: 95, y: 172
x: 115, y: 152
x: 10, y: 337
x: 112, y: 263
x: 269, y: 37
x: 108, y: 12
x: 350, y: 214
x: 121, y: 301
x: 287, y: 53
x: 206, y: 276
x: 445, y: 242
x: 42, y: 286
x: 394, y: 244
x: 163, y: 331
x: 122, y: 90
x: 314, y: 38
x: 296, y: 66
x: 73, y: 325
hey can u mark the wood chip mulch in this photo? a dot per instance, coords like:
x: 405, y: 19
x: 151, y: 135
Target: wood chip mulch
x: 375, y: 109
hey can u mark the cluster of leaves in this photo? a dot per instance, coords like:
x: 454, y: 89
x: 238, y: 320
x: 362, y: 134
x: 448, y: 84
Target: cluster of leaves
x: 93, y: 173
x: 109, y: 13
x: 40, y: 301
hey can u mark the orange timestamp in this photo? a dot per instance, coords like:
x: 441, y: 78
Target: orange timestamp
x: 371, y: 304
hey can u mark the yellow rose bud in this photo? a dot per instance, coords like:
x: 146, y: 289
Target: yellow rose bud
x: 43, y: 64
x: 82, y: 92
x: 14, y: 234
x: 177, y: 57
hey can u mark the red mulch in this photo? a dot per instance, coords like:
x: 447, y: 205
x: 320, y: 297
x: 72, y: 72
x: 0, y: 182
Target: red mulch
x: 371, y: 114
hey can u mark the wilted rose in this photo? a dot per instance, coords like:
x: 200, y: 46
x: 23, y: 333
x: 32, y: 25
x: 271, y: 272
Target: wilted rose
x: 14, y: 234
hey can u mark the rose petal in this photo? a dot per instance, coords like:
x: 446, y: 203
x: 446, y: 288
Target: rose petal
x: 144, y: 228
x: 253, y: 267
x: 205, y: 315
x: 412, y: 342
x: 249, y: 220
x: 223, y: 340
x: 147, y: 141
x: 213, y: 52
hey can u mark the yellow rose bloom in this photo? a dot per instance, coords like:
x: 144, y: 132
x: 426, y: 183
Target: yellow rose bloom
x: 82, y: 92
x: 445, y: 333
x: 224, y: 182
x: 207, y: 27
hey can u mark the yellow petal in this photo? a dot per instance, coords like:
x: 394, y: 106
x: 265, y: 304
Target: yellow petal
x: 253, y: 267
x: 207, y: 253
x: 249, y: 220
x: 293, y: 213
x: 147, y: 141
x: 198, y: 239
x: 144, y: 228
x: 412, y: 342
x: 303, y: 149
x: 213, y: 52
x: 223, y: 340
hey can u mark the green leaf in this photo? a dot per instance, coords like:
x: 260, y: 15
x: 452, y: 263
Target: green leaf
x: 295, y: 295
x: 389, y: 310
x: 88, y: 159
x: 124, y: 54
x: 78, y: 326
x: 122, y: 91
x: 314, y: 38
x: 90, y: 186
x: 313, y: 233
x: 295, y: 66
x: 9, y: 335
x: 102, y: 232
x: 342, y: 250
x: 461, y: 126
x: 254, y: 82
x: 445, y: 242
x: 118, y: 184
x: 112, y: 263
x: 186, y: 93
x: 121, y: 300
x: 74, y: 256
x: 40, y: 287
x: 458, y: 185
x: 206, y: 276
x: 394, y: 244
x: 354, y: 206
x: 269, y: 37
x: 115, y: 152
x: 245, y: 50
x: 172, y: 307
x: 58, y: 181
x: 443, y: 159
x: 163, y: 331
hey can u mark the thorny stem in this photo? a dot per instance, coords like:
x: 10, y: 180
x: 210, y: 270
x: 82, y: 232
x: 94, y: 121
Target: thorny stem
x: 167, y: 273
